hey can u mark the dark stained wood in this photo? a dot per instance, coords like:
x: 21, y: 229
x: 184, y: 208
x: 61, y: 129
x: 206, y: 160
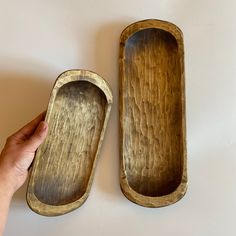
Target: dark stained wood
x: 152, y: 113
x: 64, y: 165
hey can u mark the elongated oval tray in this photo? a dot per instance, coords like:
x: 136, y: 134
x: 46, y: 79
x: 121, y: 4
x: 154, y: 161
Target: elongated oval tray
x: 153, y: 170
x: 64, y: 164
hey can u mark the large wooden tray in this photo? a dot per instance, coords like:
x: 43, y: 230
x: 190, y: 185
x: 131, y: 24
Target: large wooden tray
x: 64, y: 164
x: 153, y: 169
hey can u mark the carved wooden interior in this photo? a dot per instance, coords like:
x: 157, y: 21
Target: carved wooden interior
x: 152, y: 113
x: 68, y: 153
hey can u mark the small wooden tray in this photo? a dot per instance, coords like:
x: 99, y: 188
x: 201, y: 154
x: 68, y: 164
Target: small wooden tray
x: 64, y: 164
x: 152, y: 113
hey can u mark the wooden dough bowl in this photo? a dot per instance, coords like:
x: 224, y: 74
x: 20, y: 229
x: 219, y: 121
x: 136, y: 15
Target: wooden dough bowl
x: 64, y: 164
x: 153, y: 169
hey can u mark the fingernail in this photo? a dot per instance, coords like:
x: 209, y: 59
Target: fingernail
x: 42, y: 126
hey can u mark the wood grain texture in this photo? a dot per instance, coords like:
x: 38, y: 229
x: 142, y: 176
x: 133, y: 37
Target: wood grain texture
x: 152, y: 113
x: 64, y: 164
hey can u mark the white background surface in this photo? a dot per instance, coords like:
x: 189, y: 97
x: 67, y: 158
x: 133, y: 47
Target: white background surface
x: 41, y: 39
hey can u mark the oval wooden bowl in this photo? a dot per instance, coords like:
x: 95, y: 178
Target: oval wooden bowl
x: 64, y: 164
x: 153, y: 169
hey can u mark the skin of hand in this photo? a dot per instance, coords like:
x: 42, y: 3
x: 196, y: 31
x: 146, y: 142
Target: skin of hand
x: 15, y: 159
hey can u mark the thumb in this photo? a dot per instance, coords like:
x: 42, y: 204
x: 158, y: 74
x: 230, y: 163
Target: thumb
x: 38, y: 137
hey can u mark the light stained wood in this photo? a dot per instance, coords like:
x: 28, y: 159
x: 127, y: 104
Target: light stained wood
x: 64, y: 165
x: 153, y: 170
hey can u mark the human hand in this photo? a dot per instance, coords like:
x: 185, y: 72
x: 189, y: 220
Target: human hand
x: 18, y: 153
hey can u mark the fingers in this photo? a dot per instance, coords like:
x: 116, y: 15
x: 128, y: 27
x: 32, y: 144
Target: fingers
x: 37, y: 137
x: 19, y: 151
x: 25, y: 132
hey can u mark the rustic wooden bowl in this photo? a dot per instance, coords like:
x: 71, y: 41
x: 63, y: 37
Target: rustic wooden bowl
x: 153, y: 169
x: 64, y: 164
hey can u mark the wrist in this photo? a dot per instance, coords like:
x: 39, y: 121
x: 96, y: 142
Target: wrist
x: 6, y: 186
x: 11, y: 175
x: 6, y: 193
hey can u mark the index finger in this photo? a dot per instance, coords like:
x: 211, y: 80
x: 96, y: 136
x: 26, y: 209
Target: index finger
x: 26, y: 131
